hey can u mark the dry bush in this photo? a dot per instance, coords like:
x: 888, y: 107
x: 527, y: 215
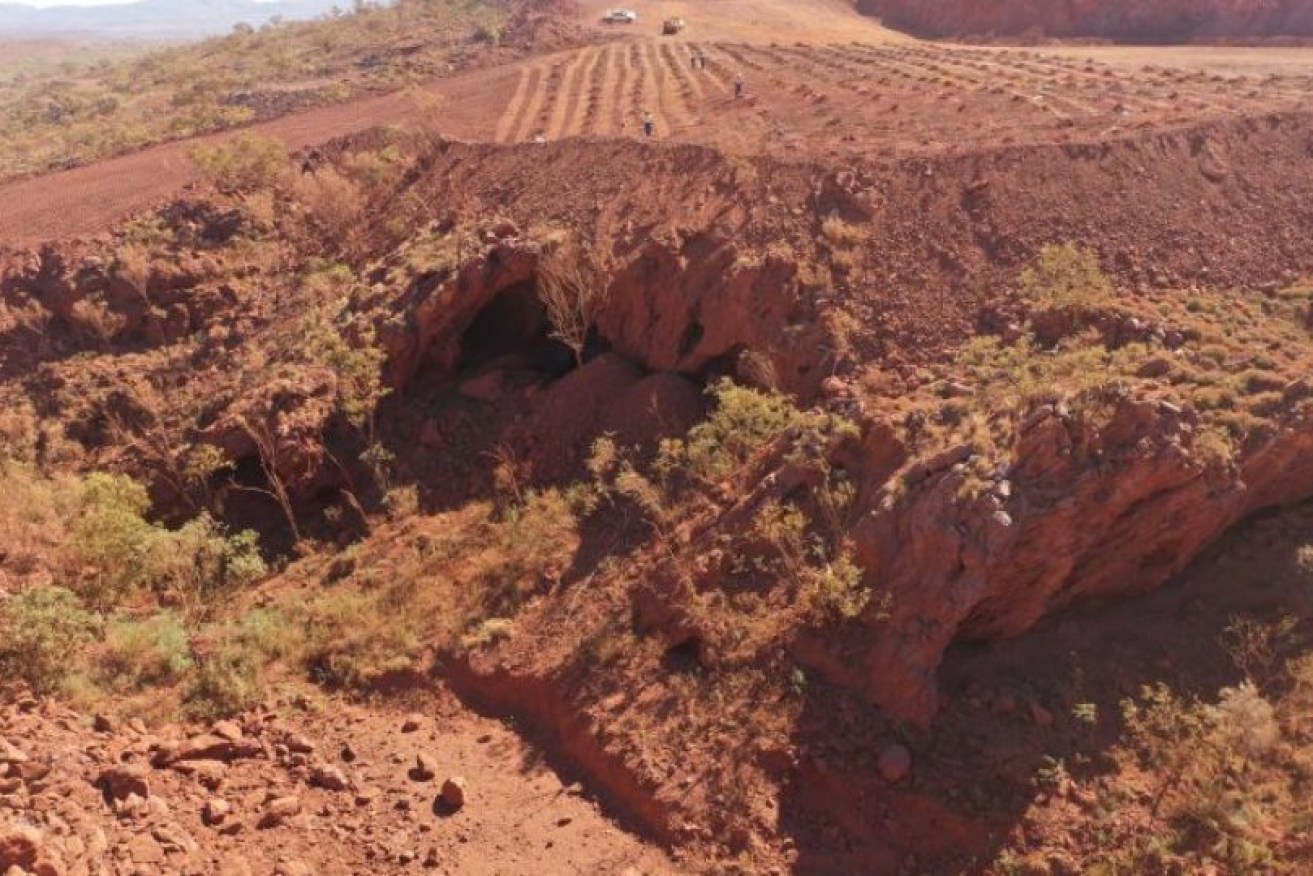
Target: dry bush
x: 18, y: 432
x: 142, y: 653
x: 572, y: 286
x: 94, y: 321
x: 842, y: 235
x: 132, y: 263
x: 353, y: 637
x: 1257, y: 647
x: 247, y: 163
x: 41, y: 632
x: 426, y: 114
x: 36, y: 518
x: 1065, y: 275
x: 334, y: 205
x: 1221, y: 775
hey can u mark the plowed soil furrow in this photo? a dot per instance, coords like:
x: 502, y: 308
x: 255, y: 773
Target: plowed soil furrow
x: 744, y: 56
x: 1044, y: 91
x: 1106, y: 90
x: 583, y: 121
x: 638, y: 94
x: 1094, y: 86
x: 567, y: 96
x: 1035, y: 89
x: 891, y: 63
x: 808, y: 67
x: 615, y: 90
x: 804, y: 95
x: 904, y: 73
x: 750, y: 123
x: 523, y: 126
x: 672, y: 92
x: 654, y: 88
x: 743, y: 62
x: 681, y: 70
x: 835, y: 67
x: 550, y: 95
x: 509, y: 122
x: 717, y: 75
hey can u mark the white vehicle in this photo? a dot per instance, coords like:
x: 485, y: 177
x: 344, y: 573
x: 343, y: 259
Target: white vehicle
x: 620, y: 16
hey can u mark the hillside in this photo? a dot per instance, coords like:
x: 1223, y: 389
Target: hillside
x: 898, y: 461
x: 78, y: 114
x: 153, y: 19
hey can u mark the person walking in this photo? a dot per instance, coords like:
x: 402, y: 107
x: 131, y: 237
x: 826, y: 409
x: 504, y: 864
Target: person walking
x: 738, y: 85
x: 649, y: 127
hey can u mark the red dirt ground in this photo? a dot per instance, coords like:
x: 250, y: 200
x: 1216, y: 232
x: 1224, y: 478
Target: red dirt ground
x: 824, y: 86
x: 518, y: 816
x: 823, y: 83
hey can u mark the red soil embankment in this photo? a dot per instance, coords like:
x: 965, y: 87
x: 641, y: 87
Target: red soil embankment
x: 1137, y: 21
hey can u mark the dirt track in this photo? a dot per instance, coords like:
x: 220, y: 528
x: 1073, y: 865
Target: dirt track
x: 831, y: 96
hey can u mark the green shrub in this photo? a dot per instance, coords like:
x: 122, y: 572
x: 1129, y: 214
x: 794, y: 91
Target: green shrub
x: 267, y: 633
x: 1253, y: 381
x: 123, y: 552
x: 111, y: 538
x: 353, y: 637
x: 488, y: 33
x: 744, y: 422
x: 1065, y: 275
x: 840, y: 592
x: 141, y: 653
x: 533, y: 541
x: 230, y: 679
x: 226, y: 683
x: 40, y: 632
x: 200, y: 562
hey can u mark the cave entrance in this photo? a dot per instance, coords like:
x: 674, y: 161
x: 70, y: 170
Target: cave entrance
x: 513, y: 331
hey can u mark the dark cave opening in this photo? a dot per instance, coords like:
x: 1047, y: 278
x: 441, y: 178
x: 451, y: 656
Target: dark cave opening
x: 514, y: 330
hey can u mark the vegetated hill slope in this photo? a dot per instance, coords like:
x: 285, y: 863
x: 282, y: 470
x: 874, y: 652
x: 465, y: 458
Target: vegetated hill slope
x: 61, y: 118
x: 155, y: 19
x: 1135, y: 21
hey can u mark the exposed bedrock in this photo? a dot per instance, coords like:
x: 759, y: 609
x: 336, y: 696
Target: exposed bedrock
x: 1082, y: 514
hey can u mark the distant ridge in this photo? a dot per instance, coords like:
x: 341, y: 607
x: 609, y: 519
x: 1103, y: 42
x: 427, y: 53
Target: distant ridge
x: 156, y: 18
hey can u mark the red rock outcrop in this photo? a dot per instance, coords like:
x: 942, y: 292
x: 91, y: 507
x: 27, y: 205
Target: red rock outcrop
x: 1081, y: 513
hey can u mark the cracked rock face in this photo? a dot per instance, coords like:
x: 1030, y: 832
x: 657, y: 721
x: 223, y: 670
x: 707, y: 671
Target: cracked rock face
x: 1082, y: 513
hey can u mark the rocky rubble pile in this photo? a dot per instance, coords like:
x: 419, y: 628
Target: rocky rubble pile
x: 83, y: 796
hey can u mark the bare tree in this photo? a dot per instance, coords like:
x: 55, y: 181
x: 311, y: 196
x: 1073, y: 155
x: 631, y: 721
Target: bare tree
x: 185, y: 467
x: 571, y: 287
x: 267, y: 451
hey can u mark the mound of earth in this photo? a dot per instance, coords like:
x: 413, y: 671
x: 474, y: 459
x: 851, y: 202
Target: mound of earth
x: 1131, y: 21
